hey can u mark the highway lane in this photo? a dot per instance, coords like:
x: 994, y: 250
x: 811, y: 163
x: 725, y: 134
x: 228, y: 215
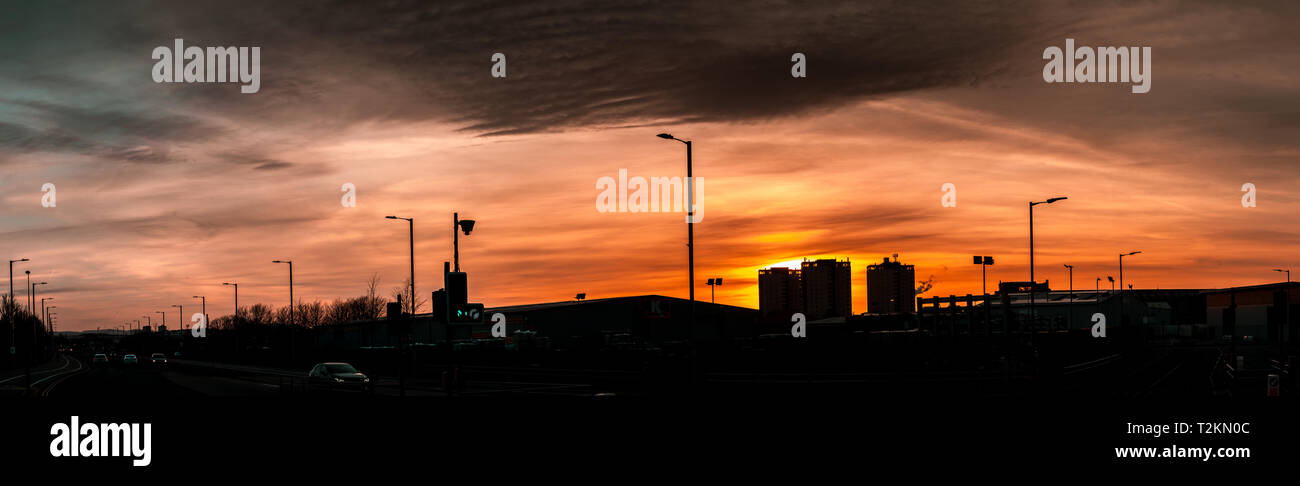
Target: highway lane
x: 14, y: 382
x: 145, y: 381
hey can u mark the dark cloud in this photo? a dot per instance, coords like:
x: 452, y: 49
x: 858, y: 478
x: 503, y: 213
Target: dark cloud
x: 570, y: 63
x: 119, y: 135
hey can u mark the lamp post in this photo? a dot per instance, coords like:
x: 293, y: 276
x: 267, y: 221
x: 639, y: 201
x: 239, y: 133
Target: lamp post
x: 290, y: 262
x: 33, y: 294
x: 236, y: 298
x: 713, y: 283
x: 204, y: 310
x: 48, y: 314
x: 984, y: 262
x: 11, y: 280
x: 1123, y: 297
x: 29, y: 292
x: 43, y: 299
x: 1286, y: 319
x: 690, y: 227
x: 164, y: 320
x: 31, y: 355
x: 457, y: 224
x: 13, y: 301
x: 1033, y: 317
x: 411, y: 236
x: 148, y: 321
x: 1069, y: 314
x: 180, y: 314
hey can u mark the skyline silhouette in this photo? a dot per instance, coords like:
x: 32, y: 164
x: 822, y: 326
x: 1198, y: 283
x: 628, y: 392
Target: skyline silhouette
x: 167, y: 190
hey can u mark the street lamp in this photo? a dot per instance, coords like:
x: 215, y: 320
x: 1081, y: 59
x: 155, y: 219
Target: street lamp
x: 180, y: 314
x: 411, y: 235
x: 164, y: 320
x: 713, y: 283
x: 43, y: 299
x: 33, y: 294
x: 1069, y: 315
x: 32, y: 355
x: 11, y: 280
x: 466, y: 225
x: 148, y: 321
x: 1033, y: 316
x: 236, y: 298
x: 49, y: 314
x: 1123, y: 298
x: 1286, y: 316
x: 12, y: 302
x: 984, y: 262
x: 690, y: 226
x: 290, y: 262
x: 204, y: 310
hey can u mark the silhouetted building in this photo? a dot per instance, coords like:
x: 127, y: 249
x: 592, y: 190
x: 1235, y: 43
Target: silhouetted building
x: 827, y: 288
x: 1023, y: 287
x: 780, y: 291
x: 1266, y: 313
x: 574, y: 324
x: 891, y: 288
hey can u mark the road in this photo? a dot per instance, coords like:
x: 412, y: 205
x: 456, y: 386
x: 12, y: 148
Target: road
x: 67, y: 376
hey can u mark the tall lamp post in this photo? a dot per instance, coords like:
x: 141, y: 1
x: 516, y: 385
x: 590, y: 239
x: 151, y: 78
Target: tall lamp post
x: 984, y: 262
x: 1123, y: 297
x: 1069, y: 314
x: 204, y: 310
x: 410, y: 223
x: 290, y: 262
x: 13, y: 301
x: 11, y: 280
x: 33, y: 294
x: 236, y: 317
x: 690, y: 227
x: 30, y: 310
x: 164, y: 319
x: 32, y: 353
x: 457, y: 224
x: 180, y: 314
x: 1286, y: 317
x: 43, y: 318
x: 1033, y: 316
x: 713, y: 284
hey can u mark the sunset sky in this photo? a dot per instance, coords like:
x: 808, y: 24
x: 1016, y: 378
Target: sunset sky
x: 166, y: 190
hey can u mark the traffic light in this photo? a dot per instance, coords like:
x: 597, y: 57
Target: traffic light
x: 457, y: 285
x: 467, y: 313
x: 439, y: 301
